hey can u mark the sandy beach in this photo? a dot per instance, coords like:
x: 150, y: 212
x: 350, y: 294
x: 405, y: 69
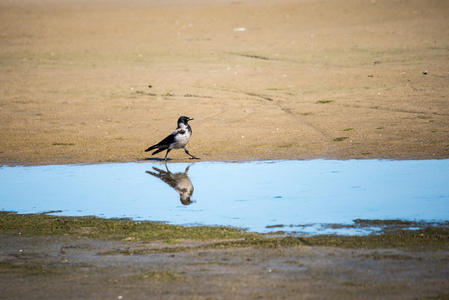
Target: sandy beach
x: 263, y: 79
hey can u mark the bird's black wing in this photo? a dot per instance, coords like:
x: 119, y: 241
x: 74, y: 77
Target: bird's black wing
x: 165, y: 143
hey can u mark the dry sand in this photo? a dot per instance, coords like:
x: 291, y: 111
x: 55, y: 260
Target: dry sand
x: 75, y: 77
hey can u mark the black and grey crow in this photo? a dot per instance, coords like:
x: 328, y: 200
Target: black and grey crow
x: 176, y: 140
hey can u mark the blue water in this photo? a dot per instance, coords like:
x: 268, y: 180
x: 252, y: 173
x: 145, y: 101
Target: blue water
x: 298, y: 195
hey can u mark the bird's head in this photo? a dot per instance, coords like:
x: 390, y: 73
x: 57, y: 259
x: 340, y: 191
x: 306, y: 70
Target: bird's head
x: 184, y: 120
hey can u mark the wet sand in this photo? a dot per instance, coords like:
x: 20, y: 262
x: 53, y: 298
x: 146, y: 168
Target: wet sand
x: 53, y: 257
x: 264, y: 80
x: 73, y: 268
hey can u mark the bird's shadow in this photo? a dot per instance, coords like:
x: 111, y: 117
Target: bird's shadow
x: 161, y: 159
x: 156, y: 159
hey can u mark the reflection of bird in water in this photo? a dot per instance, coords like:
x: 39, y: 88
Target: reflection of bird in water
x: 179, y: 181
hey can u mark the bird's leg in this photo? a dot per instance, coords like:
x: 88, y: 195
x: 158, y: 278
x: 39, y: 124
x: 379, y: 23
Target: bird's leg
x: 187, y: 151
x: 168, y: 150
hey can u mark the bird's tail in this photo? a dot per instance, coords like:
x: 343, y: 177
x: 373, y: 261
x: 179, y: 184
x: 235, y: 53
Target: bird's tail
x: 151, y: 148
x: 158, y: 150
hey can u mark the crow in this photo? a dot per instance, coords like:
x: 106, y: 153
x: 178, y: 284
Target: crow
x: 176, y: 140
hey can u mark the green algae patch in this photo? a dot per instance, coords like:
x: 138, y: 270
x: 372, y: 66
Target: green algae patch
x: 110, y: 229
x: 422, y: 239
x: 64, y: 144
x: 414, y: 235
x: 341, y: 139
x: 251, y: 240
x: 161, y: 276
x: 324, y: 101
x: 31, y: 269
x: 416, y: 240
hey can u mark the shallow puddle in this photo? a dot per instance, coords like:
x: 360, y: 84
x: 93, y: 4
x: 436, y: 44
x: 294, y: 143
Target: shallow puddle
x: 267, y: 196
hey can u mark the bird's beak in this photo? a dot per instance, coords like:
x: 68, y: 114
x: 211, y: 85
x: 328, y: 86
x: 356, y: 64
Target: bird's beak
x: 190, y: 119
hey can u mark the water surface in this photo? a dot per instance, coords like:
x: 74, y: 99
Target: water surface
x: 267, y: 196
